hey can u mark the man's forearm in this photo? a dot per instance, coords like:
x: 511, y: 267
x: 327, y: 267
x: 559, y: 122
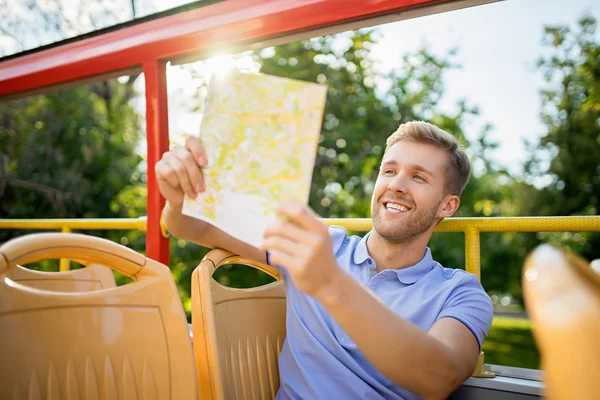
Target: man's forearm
x: 207, y: 235
x: 400, y: 350
x: 184, y: 227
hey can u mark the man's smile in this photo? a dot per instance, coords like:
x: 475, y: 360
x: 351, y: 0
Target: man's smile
x: 395, y: 207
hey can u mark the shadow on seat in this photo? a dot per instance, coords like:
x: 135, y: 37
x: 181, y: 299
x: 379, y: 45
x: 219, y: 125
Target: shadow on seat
x: 238, y: 333
x: 93, y: 277
x: 124, y: 342
x: 562, y: 295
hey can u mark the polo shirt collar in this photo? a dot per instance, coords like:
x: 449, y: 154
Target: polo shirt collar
x: 408, y: 275
x: 361, y: 254
x: 411, y: 275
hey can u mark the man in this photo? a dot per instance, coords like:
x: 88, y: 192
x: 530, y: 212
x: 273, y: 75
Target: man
x: 366, y: 318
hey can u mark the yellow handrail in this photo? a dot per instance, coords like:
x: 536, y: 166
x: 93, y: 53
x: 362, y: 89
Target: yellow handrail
x: 471, y: 227
x: 490, y: 224
x: 66, y: 225
x: 138, y: 224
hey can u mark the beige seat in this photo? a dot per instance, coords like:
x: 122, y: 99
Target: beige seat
x: 93, y: 277
x: 238, y: 333
x: 562, y: 295
x: 124, y: 342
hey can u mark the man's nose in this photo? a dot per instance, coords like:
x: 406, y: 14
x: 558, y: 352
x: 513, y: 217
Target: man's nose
x: 398, y: 184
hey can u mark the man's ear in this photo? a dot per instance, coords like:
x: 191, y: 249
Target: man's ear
x: 448, y: 206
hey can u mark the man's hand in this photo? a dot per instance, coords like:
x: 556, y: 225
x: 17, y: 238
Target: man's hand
x: 180, y: 171
x: 300, y: 243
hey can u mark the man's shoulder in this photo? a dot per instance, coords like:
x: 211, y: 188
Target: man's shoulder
x: 462, y: 286
x: 337, y: 232
x: 467, y: 301
x: 341, y: 241
x: 453, y: 274
x: 457, y: 277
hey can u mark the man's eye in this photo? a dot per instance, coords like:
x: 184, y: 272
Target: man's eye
x: 388, y: 172
x: 418, y: 177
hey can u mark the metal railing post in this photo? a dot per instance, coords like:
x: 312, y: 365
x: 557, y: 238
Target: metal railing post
x: 473, y: 265
x: 472, y: 251
x: 65, y: 264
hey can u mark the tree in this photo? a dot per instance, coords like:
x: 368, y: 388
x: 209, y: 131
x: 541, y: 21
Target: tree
x: 68, y: 153
x: 571, y: 113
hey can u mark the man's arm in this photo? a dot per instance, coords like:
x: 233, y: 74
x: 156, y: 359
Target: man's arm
x: 178, y: 172
x: 431, y: 364
x: 207, y: 235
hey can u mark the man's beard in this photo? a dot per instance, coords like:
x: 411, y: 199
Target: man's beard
x: 406, y: 231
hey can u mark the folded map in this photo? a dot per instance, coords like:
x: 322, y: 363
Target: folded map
x: 260, y: 133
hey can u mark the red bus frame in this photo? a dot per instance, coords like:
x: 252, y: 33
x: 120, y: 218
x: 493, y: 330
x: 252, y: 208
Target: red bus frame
x: 227, y: 26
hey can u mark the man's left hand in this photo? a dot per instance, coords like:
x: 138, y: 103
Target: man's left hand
x: 300, y: 243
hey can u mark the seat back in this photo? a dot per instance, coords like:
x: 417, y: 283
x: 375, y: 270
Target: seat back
x: 562, y: 295
x: 238, y: 333
x: 117, y: 343
x: 93, y: 277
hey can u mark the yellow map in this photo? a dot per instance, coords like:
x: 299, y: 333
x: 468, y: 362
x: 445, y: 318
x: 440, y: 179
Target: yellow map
x: 260, y: 133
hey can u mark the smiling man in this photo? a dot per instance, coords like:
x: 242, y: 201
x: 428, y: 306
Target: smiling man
x: 373, y: 317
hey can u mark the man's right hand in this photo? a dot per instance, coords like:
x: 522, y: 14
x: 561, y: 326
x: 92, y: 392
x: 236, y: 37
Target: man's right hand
x: 179, y: 171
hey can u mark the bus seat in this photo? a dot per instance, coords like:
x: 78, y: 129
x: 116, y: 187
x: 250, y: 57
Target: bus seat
x: 237, y: 333
x: 562, y: 295
x: 122, y: 342
x: 93, y: 277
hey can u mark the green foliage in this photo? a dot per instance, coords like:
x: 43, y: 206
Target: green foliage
x: 68, y: 154
x: 510, y: 342
x: 241, y: 276
x: 571, y: 113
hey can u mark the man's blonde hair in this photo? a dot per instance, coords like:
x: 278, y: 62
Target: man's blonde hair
x: 459, y: 169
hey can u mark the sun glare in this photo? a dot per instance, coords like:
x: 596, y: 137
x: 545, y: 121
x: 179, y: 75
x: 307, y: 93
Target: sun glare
x: 187, y: 89
x: 220, y: 65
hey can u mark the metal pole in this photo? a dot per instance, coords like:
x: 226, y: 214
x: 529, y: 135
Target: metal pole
x: 157, y: 137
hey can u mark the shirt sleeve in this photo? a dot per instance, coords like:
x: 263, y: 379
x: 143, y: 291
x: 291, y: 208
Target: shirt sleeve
x: 281, y: 270
x: 338, y: 237
x: 470, y: 304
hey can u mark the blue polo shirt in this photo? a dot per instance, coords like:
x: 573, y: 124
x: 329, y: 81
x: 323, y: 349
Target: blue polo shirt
x: 318, y: 359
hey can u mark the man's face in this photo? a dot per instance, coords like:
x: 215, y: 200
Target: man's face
x: 408, y: 191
